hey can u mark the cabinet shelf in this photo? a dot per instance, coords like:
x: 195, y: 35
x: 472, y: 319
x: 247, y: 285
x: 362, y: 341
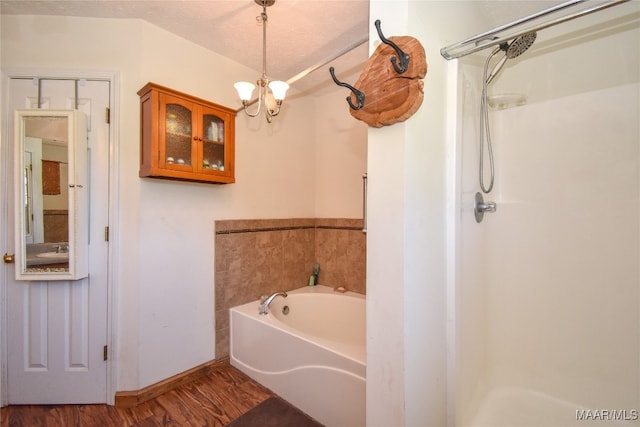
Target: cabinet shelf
x: 179, y: 135
x: 186, y: 138
x: 211, y: 141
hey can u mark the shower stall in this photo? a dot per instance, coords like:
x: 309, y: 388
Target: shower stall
x: 545, y: 290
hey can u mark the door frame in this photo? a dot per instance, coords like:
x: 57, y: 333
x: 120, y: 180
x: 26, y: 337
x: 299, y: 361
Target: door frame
x: 114, y: 196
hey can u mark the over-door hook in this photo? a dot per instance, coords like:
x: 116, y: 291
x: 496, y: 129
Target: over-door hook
x: 404, y: 57
x: 359, y: 95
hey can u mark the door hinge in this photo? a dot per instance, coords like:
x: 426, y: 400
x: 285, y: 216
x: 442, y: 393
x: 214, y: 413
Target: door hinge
x: 107, y: 115
x: 105, y: 352
x: 106, y: 233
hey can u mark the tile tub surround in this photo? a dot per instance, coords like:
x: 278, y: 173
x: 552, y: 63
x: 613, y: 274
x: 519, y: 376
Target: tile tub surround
x: 262, y: 256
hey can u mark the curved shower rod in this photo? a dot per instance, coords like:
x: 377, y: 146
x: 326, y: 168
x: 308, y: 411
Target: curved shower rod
x: 519, y: 27
x: 320, y: 64
x: 325, y: 61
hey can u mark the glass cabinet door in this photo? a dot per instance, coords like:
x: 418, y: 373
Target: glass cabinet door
x: 213, y: 143
x: 178, y: 132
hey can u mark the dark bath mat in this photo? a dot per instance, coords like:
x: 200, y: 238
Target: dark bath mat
x: 274, y: 412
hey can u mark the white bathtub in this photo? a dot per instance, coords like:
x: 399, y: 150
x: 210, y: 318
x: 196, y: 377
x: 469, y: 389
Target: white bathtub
x: 517, y: 407
x: 313, y: 357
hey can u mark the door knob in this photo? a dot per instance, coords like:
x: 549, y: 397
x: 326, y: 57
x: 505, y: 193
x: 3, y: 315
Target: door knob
x: 9, y: 258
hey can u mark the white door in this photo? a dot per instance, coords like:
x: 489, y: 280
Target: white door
x: 57, y: 330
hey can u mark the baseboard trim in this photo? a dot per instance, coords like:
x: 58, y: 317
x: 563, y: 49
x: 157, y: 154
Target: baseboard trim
x: 130, y: 399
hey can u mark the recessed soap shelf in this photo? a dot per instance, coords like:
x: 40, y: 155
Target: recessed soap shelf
x: 506, y: 100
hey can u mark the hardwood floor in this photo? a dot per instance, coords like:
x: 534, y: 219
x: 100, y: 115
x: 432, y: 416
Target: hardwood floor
x: 212, y: 400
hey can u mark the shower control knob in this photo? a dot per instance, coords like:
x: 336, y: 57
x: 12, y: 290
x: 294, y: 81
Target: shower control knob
x: 487, y: 207
x: 480, y: 207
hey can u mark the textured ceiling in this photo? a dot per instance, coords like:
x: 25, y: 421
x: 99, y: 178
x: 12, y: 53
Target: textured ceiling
x: 300, y: 33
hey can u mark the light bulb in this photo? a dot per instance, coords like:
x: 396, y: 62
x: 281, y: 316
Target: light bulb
x: 245, y: 90
x: 279, y: 89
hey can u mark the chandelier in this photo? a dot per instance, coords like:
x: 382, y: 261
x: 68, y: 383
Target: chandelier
x: 270, y: 94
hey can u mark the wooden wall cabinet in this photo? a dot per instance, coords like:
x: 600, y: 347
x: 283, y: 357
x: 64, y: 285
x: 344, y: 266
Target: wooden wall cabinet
x: 185, y: 138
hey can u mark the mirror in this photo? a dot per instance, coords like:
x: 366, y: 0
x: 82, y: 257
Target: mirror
x: 51, y: 207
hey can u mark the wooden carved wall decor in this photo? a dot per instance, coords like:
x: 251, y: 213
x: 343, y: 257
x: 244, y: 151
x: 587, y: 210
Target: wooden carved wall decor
x: 390, y: 88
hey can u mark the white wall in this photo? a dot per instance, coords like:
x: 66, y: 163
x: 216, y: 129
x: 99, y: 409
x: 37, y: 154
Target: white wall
x: 164, y: 282
x: 340, y: 156
x: 406, y: 242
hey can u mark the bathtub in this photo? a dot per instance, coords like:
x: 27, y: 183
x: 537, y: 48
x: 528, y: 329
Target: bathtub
x: 518, y: 407
x: 313, y: 357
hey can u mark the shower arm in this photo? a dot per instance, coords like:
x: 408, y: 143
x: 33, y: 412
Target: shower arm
x: 519, y: 27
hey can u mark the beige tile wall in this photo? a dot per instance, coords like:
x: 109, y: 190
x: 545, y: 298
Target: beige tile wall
x: 259, y: 257
x: 56, y: 225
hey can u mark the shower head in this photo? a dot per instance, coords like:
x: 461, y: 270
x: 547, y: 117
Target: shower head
x: 516, y: 48
x: 519, y: 45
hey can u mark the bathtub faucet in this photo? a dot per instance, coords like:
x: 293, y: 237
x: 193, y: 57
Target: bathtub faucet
x: 264, y: 305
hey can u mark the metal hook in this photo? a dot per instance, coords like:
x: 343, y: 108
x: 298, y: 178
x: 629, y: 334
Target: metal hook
x: 404, y: 57
x: 359, y: 95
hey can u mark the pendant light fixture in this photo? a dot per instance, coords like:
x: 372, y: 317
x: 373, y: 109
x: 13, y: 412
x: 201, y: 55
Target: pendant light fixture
x: 270, y: 94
